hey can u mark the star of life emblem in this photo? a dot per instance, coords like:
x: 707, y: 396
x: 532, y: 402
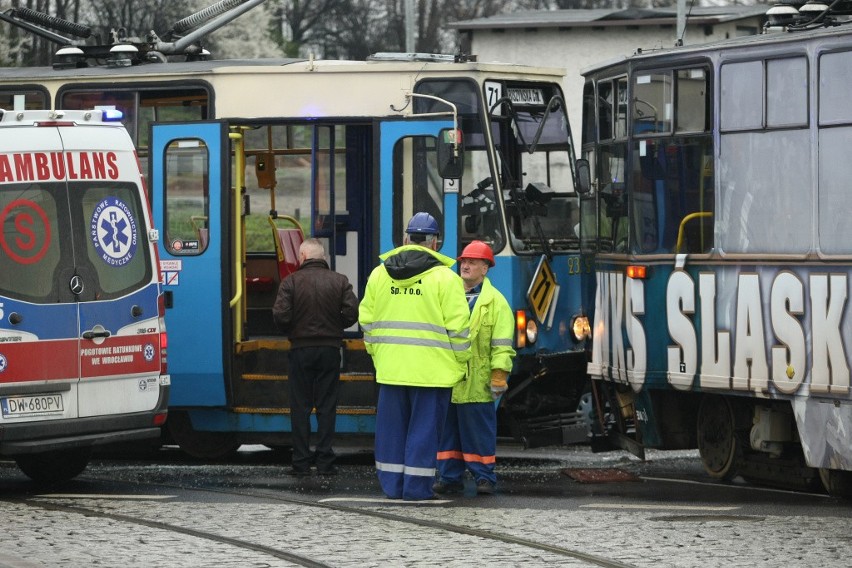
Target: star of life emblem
x: 113, y: 231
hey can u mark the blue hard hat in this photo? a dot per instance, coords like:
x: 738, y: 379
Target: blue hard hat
x: 422, y: 223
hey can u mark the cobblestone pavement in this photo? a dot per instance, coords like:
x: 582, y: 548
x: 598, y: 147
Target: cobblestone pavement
x: 648, y: 524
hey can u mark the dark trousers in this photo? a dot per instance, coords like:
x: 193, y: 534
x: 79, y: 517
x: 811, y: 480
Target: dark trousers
x: 314, y: 381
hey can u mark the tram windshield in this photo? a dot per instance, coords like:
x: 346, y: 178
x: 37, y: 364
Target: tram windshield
x: 479, y: 209
x: 536, y: 157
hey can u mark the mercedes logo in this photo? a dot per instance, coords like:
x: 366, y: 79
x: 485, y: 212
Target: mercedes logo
x: 76, y: 285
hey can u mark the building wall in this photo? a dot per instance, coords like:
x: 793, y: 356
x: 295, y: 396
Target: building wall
x: 576, y: 49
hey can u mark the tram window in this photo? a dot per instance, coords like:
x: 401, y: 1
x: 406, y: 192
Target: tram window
x: 461, y: 92
x: 620, y: 122
x: 464, y: 94
x: 672, y: 195
x: 125, y: 101
x: 285, y: 184
x: 691, y: 111
x: 589, y: 122
x: 834, y: 72
x: 605, y: 110
x: 612, y: 228
x: 589, y: 210
x: 187, y: 199
x: 143, y: 106
x: 652, y: 103
x: 479, y: 209
x: 169, y: 105
x: 23, y: 100
x: 416, y: 183
x: 787, y: 92
x: 741, y: 102
x: 835, y: 199
x: 780, y: 196
x: 330, y: 178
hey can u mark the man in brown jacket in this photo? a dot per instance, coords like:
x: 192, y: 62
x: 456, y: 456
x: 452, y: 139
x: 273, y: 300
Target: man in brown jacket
x: 313, y: 307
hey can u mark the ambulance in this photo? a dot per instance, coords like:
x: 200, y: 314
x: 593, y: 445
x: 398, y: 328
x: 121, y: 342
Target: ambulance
x: 82, y: 338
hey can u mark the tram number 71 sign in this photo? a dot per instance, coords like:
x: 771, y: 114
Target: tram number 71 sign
x: 542, y: 289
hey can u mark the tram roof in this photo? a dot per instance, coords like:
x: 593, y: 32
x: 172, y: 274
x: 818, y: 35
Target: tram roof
x: 580, y: 18
x: 279, y: 65
x: 746, y: 42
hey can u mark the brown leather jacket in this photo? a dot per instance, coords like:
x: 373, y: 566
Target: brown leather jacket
x: 314, y: 305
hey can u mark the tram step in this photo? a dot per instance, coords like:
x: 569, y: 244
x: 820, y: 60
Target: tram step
x: 349, y: 377
x: 268, y: 356
x: 270, y: 390
x: 348, y: 410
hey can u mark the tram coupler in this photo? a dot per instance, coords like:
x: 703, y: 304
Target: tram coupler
x: 560, y: 429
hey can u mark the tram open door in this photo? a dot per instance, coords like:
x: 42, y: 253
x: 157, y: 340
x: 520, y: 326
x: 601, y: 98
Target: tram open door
x: 190, y: 190
x: 420, y: 169
x: 228, y: 376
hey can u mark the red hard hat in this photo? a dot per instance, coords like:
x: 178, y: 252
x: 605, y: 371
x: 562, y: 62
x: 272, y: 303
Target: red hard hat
x: 478, y: 249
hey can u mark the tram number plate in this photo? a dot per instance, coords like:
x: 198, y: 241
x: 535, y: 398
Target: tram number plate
x: 542, y: 289
x: 35, y: 405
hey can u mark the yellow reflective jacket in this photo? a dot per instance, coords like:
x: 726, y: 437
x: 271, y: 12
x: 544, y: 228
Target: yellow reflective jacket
x: 492, y: 332
x: 415, y: 319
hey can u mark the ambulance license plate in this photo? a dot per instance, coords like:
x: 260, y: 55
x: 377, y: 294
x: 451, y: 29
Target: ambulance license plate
x: 35, y: 405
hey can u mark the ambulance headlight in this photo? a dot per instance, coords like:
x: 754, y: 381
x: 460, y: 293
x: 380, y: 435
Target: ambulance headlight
x: 580, y: 328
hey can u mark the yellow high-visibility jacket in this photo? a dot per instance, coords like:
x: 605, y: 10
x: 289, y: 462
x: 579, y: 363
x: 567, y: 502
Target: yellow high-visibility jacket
x: 415, y: 319
x: 492, y: 333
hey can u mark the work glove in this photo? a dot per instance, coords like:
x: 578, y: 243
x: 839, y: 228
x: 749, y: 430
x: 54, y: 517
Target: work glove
x: 498, y: 383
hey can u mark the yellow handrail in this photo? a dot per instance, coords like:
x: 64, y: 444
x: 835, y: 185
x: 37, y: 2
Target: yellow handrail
x: 194, y: 219
x: 683, y: 223
x: 239, y: 261
x: 279, y: 252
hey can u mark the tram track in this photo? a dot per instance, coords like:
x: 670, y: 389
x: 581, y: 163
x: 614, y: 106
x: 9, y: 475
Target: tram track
x: 160, y: 525
x: 404, y: 518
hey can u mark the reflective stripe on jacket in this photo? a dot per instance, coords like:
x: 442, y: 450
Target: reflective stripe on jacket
x: 416, y: 326
x: 492, y: 332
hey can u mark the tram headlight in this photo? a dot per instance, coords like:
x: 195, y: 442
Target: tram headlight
x: 580, y: 328
x: 526, y: 330
x: 532, y: 331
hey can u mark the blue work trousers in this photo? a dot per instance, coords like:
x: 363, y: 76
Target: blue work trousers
x: 408, y: 428
x: 469, y: 440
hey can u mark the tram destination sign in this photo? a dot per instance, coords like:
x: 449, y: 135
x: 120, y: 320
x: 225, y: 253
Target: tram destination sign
x: 526, y: 96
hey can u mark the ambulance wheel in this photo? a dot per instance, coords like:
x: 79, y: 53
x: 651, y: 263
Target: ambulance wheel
x: 54, y: 466
x: 838, y: 483
x: 718, y: 445
x: 200, y: 445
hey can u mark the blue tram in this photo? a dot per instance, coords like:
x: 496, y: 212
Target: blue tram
x: 247, y: 158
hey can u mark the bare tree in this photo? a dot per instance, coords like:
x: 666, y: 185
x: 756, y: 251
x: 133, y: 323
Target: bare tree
x: 295, y: 23
x: 135, y: 18
x: 346, y: 29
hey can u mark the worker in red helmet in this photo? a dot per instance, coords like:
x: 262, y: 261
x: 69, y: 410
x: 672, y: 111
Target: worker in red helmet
x: 469, y: 438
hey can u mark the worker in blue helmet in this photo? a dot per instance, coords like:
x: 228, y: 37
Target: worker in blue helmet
x: 420, y: 225
x: 415, y: 320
